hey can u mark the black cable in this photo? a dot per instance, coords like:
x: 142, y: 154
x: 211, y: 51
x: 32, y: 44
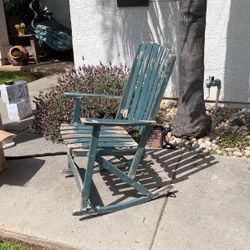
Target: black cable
x: 35, y: 155
x: 163, y: 142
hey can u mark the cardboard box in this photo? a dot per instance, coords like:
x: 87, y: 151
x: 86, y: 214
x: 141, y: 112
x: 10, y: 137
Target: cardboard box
x: 14, y: 93
x: 19, y: 111
x: 3, y: 136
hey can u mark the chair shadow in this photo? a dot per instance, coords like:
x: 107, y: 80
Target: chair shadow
x: 176, y: 165
x: 20, y: 173
x: 179, y: 165
x: 146, y: 175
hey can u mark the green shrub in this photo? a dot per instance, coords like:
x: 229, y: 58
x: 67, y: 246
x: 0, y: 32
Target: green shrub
x: 11, y: 246
x: 234, y: 140
x: 53, y: 108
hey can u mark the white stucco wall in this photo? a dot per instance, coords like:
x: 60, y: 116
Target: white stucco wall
x: 103, y: 32
x: 60, y: 9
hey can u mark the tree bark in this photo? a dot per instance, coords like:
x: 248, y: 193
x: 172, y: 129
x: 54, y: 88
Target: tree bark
x: 191, y: 119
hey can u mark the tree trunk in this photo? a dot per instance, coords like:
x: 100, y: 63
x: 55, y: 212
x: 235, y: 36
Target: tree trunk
x: 191, y: 119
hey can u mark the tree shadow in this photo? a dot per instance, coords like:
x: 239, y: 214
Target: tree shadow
x: 237, y: 63
x: 20, y: 173
x: 124, y: 28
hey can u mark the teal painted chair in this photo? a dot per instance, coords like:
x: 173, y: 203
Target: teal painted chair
x: 95, y: 139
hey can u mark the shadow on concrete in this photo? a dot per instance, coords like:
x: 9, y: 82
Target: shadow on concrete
x: 26, y: 136
x: 20, y: 172
x: 22, y: 130
x: 164, y: 167
x: 147, y: 175
x: 19, y: 126
x: 180, y: 165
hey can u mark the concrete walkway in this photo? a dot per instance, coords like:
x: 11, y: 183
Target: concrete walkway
x: 210, y: 210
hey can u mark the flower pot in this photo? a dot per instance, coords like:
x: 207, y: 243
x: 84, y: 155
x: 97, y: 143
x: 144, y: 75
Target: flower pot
x: 18, y: 56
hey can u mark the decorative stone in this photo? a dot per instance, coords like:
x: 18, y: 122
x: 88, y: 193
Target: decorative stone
x: 200, y: 141
x: 215, y: 146
x: 206, y: 138
x: 206, y: 151
x: 219, y: 152
x: 173, y: 142
x: 195, y: 145
x: 231, y: 149
x: 203, y: 145
x: 238, y: 154
x: 223, y: 120
x: 247, y: 153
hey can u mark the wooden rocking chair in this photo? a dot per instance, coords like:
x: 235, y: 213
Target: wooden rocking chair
x: 98, y: 138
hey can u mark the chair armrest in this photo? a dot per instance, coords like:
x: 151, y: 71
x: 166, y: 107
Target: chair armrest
x: 116, y: 122
x: 78, y: 95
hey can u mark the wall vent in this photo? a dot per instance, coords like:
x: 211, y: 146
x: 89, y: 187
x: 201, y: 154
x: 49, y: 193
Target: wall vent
x: 132, y: 3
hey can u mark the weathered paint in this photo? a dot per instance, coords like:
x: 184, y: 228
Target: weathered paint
x: 150, y: 57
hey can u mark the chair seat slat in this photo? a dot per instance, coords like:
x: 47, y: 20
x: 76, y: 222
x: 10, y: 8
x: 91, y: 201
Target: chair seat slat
x: 102, y: 135
x: 103, y: 145
x: 105, y: 140
x: 96, y: 139
x: 87, y: 132
x: 83, y: 127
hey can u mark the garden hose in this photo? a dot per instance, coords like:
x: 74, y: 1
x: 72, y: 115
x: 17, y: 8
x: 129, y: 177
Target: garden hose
x: 35, y: 155
x: 163, y: 142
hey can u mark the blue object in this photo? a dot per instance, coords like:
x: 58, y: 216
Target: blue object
x: 53, y: 34
x: 98, y: 138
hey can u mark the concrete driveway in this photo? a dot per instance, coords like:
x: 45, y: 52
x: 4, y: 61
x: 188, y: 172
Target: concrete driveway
x: 210, y: 209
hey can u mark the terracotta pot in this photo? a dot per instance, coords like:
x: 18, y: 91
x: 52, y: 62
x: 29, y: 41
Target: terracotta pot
x: 18, y: 56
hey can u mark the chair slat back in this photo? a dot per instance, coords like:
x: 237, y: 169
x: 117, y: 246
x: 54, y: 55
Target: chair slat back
x: 147, y: 82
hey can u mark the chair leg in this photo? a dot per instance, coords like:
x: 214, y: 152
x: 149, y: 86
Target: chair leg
x: 67, y: 172
x: 90, y: 168
x: 139, y: 153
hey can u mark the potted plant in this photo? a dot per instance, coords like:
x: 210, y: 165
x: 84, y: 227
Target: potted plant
x: 18, y: 56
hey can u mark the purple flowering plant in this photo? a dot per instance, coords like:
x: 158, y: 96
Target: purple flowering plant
x: 52, y: 108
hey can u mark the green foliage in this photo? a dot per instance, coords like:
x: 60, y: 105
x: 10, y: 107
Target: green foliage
x: 19, y: 75
x: 11, y: 246
x: 16, y: 53
x: 53, y: 108
x: 11, y: 6
x: 234, y: 140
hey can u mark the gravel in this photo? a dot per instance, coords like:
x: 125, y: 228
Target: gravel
x: 234, y: 122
